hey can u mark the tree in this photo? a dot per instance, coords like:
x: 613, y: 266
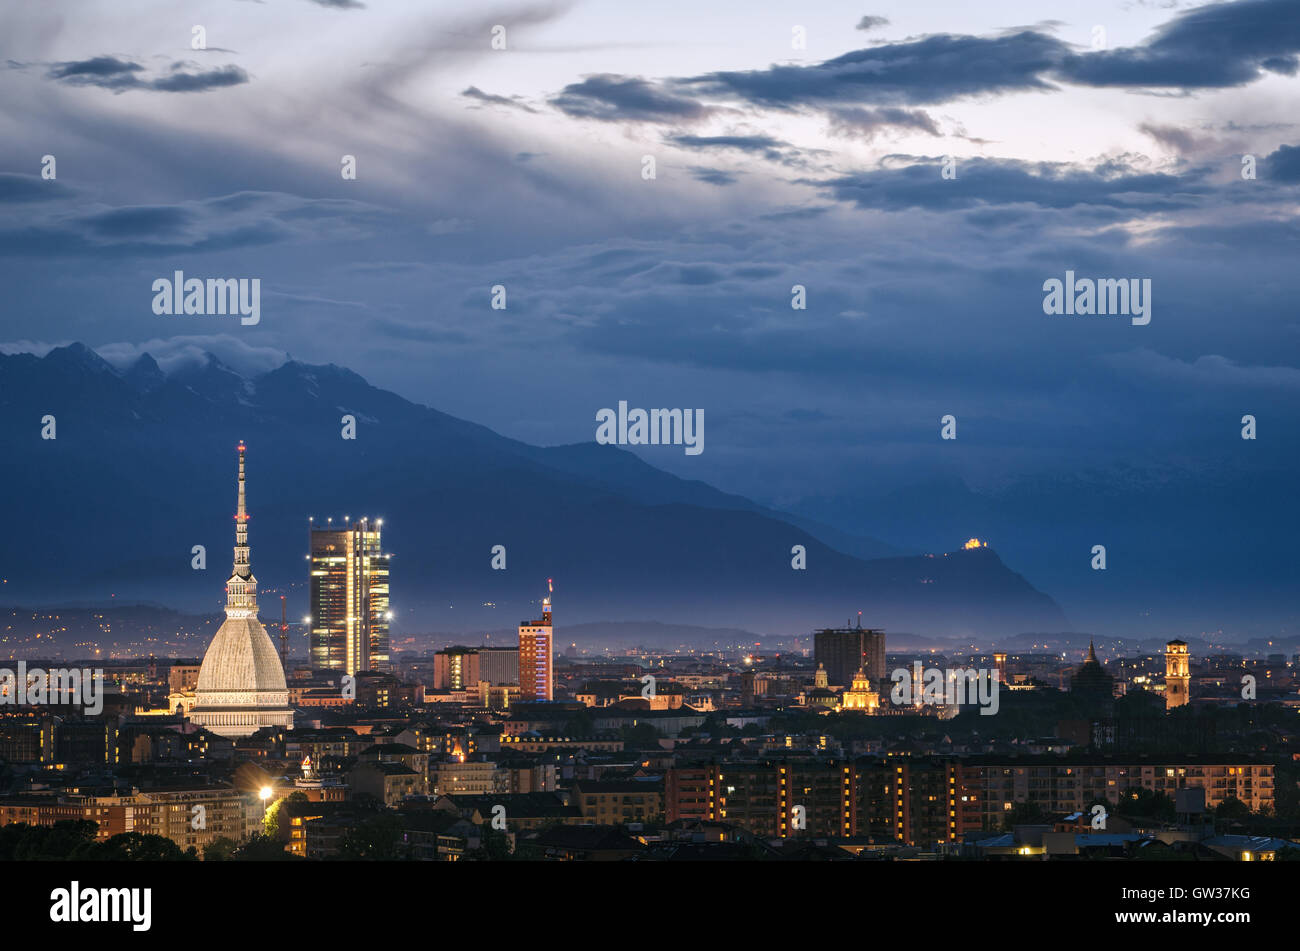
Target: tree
x: 580, y: 724
x: 220, y: 849
x: 376, y: 838
x: 261, y: 848
x: 1141, y: 803
x: 1232, y: 808
x: 271, y: 820
x: 143, y: 847
x: 640, y: 736
x: 64, y: 840
x: 1023, y: 813
x: 495, y: 847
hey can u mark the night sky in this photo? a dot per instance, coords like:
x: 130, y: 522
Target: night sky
x: 1103, y: 138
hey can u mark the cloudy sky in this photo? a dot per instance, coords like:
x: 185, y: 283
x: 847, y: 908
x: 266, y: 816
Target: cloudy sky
x: 1105, y: 138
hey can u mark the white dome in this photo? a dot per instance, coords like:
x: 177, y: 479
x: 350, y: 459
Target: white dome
x: 241, y: 659
x: 241, y: 683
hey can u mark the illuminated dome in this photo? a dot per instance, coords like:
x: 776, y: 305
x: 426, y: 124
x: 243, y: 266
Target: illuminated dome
x: 241, y: 684
x: 241, y: 664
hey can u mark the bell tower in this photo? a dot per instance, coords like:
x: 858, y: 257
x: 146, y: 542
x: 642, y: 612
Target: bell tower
x: 1177, y: 674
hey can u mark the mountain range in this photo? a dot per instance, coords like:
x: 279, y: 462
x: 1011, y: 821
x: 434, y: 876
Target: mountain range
x: 142, y: 469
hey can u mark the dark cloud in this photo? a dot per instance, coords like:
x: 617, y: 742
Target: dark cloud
x: 20, y: 188
x: 1214, y: 46
x: 857, y: 122
x: 745, y: 143
x: 1181, y: 140
x: 157, y: 221
x: 796, y: 214
x: 772, y: 149
x: 933, y: 69
x: 247, y: 219
x: 870, y: 23
x: 713, y: 176
x: 182, y: 81
x: 613, y: 98
x: 1283, y: 165
x: 107, y: 72
x: 993, y: 182
x: 340, y: 4
x: 514, y: 102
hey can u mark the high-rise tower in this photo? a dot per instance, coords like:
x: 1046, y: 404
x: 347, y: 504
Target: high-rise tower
x: 536, y: 654
x: 1178, y: 674
x: 241, y: 686
x: 843, y: 651
x: 349, y: 598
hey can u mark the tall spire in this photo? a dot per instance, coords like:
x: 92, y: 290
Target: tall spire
x: 241, y: 589
x: 1092, y: 655
x: 546, y: 602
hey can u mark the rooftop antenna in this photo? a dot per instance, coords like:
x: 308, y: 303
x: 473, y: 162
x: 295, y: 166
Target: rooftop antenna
x: 284, y: 638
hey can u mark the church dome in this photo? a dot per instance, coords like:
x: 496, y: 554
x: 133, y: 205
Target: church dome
x: 1090, y: 681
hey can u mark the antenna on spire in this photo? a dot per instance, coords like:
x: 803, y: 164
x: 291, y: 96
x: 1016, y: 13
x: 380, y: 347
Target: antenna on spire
x: 241, y: 589
x: 284, y: 637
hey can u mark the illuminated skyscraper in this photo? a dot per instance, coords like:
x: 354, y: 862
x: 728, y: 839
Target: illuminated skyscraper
x: 241, y: 685
x: 349, y: 599
x: 536, y: 655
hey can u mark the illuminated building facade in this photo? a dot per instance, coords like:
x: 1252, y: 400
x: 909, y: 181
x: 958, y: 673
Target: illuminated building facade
x: 994, y: 785
x: 907, y: 801
x: 350, y: 613
x: 240, y: 687
x: 455, y: 668
x: 860, y: 696
x: 536, y: 655
x: 1178, y: 674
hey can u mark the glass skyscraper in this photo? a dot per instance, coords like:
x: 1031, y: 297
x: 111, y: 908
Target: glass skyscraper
x: 350, y: 615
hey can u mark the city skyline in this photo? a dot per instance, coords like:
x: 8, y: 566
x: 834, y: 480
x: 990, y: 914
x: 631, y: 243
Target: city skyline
x: 901, y: 400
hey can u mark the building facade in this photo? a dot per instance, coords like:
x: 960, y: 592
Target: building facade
x: 349, y: 621
x: 1178, y: 674
x: 537, y: 655
x: 846, y: 650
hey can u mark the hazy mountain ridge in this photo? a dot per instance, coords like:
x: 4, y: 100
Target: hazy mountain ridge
x: 143, y: 469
